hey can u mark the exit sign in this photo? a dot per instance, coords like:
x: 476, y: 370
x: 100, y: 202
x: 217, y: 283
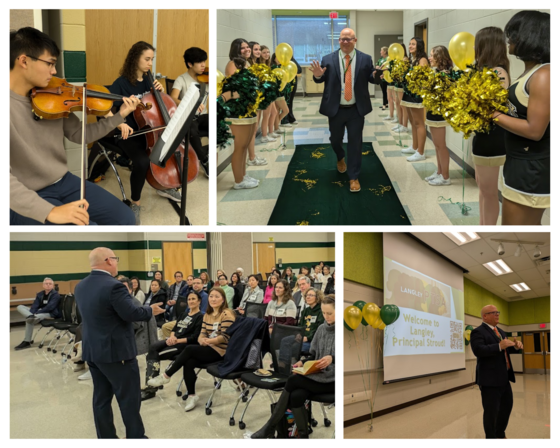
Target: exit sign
x: 542, y: 326
x: 333, y: 15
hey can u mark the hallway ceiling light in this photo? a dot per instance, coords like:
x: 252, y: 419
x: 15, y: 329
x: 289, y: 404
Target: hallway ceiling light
x: 520, y: 287
x: 518, y: 250
x: 460, y: 238
x: 498, y: 267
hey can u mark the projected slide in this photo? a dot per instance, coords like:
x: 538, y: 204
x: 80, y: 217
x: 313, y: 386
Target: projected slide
x: 428, y: 322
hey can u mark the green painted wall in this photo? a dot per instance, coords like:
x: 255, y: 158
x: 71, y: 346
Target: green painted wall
x: 363, y: 263
x: 363, y: 258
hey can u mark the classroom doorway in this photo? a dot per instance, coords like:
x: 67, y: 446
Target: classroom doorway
x: 421, y: 30
x: 536, y: 352
x: 264, y: 258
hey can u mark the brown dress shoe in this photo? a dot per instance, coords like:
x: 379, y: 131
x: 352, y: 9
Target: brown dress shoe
x: 355, y: 186
x: 341, y: 166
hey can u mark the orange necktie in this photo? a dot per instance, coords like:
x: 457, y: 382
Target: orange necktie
x: 505, y: 351
x: 348, y: 80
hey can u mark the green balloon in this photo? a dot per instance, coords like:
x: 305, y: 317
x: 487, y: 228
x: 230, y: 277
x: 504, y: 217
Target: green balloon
x: 347, y: 327
x: 360, y: 304
x: 389, y: 314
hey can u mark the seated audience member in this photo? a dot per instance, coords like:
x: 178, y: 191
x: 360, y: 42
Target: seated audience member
x: 156, y: 295
x: 197, y: 287
x: 185, y: 332
x: 163, y: 283
x: 325, y: 276
x: 316, y: 274
x: 299, y: 388
x: 252, y: 294
x: 311, y: 317
x: 218, y: 273
x: 304, y: 271
x: 242, y: 277
x: 289, y: 275
x: 329, y: 289
x: 173, y: 294
x: 188, y: 287
x: 277, y: 272
x: 207, y: 283
x: 304, y: 283
x: 137, y: 292
x: 228, y: 290
x: 281, y: 309
x: 213, y: 342
x: 272, y: 280
x: 45, y: 306
x: 238, y: 288
x: 195, y: 60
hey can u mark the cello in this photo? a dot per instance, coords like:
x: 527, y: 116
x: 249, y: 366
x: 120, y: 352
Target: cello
x: 158, y: 117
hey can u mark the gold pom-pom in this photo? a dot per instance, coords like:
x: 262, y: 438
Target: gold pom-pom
x: 420, y: 80
x: 399, y: 69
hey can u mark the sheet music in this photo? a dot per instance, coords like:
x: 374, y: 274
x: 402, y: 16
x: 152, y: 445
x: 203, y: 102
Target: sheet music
x: 179, y: 118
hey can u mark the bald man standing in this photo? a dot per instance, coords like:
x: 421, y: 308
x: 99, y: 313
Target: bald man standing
x: 494, y: 371
x: 108, y: 344
x: 346, y: 102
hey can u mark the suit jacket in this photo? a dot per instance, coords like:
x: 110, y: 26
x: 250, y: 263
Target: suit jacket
x: 51, y: 307
x: 332, y: 79
x: 108, y: 311
x: 491, y: 366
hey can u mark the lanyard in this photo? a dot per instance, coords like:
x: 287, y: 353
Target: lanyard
x: 349, y: 63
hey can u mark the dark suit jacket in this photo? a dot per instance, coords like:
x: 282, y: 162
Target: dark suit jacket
x: 491, y: 366
x: 332, y: 79
x: 108, y: 311
x: 51, y: 307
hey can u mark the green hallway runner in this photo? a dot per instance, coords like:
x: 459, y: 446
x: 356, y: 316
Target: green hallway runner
x: 315, y: 193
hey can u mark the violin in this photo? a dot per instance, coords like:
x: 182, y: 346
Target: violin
x: 153, y: 121
x: 61, y: 98
x: 203, y: 77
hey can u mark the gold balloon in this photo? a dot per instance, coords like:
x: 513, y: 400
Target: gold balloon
x: 382, y: 326
x: 283, y: 74
x: 396, y: 51
x: 371, y: 313
x: 219, y: 80
x: 461, y: 49
x: 291, y: 68
x: 284, y: 53
x: 353, y: 317
x: 387, y: 76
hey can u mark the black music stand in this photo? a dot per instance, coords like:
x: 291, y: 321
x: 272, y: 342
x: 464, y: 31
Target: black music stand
x: 162, y: 146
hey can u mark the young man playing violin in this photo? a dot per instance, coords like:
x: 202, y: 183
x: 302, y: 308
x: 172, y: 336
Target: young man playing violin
x: 195, y: 60
x: 42, y: 191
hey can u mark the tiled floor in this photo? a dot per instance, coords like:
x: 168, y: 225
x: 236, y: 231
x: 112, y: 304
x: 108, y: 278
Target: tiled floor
x: 458, y: 415
x: 424, y: 204
x: 48, y: 402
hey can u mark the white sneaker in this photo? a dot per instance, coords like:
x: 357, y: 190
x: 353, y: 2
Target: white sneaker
x: 270, y: 138
x: 159, y: 380
x: 257, y: 161
x: 85, y: 376
x: 395, y: 120
x: 287, y: 125
x: 265, y: 140
x: 431, y: 176
x: 395, y: 128
x: 191, y: 402
x: 278, y: 131
x: 402, y: 128
x: 244, y: 185
x: 295, y: 123
x: 439, y: 181
x: 274, y: 135
x: 250, y: 179
x: 409, y: 150
x: 416, y: 157
x: 388, y: 118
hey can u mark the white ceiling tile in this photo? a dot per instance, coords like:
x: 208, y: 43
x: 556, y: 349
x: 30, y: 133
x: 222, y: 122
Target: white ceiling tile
x: 542, y: 292
x: 438, y: 241
x: 530, y: 274
x: 480, y: 272
x: 510, y: 279
x: 480, y: 251
x: 461, y: 258
x: 520, y: 263
x: 537, y: 284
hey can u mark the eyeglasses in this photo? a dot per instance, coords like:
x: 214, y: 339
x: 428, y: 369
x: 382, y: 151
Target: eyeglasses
x: 495, y: 313
x: 50, y: 64
x: 178, y: 276
x: 346, y: 40
x: 112, y: 258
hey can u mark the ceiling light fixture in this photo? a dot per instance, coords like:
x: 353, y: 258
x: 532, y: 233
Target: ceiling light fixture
x: 498, y: 267
x: 460, y: 238
x: 520, y: 287
x: 501, y: 249
x: 537, y: 253
x: 518, y: 250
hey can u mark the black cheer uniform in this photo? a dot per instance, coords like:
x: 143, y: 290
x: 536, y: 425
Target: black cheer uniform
x: 526, y: 174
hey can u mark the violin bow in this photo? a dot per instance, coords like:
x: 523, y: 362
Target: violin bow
x: 84, y: 146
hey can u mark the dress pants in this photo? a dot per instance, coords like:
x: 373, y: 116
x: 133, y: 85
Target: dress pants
x: 497, y: 403
x: 290, y: 118
x: 120, y: 379
x: 348, y: 118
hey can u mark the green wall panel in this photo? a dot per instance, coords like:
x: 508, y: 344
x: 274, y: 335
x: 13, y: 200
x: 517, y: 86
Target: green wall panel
x: 542, y: 310
x: 363, y: 258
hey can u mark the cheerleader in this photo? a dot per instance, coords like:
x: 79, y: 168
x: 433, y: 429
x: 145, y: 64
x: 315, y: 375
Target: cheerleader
x: 383, y: 84
x: 489, y: 150
x: 402, y: 124
x: 440, y: 61
x: 243, y: 129
x: 280, y: 103
x: 526, y: 174
x: 267, y: 125
x: 133, y: 80
x: 414, y: 104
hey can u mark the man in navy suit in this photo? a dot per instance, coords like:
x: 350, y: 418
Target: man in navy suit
x: 494, y: 371
x: 346, y: 74
x: 108, y: 344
